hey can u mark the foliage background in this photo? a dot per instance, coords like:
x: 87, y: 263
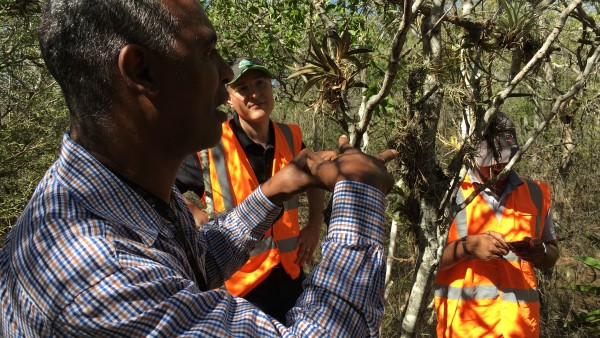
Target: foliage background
x: 33, y: 116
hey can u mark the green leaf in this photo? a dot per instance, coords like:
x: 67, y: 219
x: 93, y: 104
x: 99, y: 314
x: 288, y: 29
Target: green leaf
x: 593, y: 262
x: 308, y: 70
x: 311, y: 83
x: 318, y: 53
x: 587, y: 289
x: 359, y: 51
x: 592, y: 316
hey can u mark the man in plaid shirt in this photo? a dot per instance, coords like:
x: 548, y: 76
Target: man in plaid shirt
x: 107, y: 247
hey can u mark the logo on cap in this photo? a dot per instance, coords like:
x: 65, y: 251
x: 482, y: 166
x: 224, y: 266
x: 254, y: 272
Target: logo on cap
x: 245, y: 63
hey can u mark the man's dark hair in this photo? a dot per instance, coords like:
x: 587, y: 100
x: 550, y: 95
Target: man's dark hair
x: 80, y: 41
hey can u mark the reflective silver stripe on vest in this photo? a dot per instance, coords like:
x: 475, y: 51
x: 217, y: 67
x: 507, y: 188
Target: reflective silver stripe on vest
x: 486, y: 292
x: 287, y: 245
x: 520, y: 295
x: 206, y: 174
x: 475, y: 292
x: 266, y: 244
x: 284, y: 245
x: 536, y: 196
x: 461, y: 216
x: 289, y: 137
x: 291, y: 204
x: 218, y: 154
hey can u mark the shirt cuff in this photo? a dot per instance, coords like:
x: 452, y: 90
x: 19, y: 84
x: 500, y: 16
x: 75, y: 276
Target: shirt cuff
x: 258, y: 213
x: 358, y: 213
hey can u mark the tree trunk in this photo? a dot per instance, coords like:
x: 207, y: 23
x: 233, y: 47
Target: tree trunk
x: 426, y: 118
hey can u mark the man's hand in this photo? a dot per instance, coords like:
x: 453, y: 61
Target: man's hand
x: 534, y: 252
x: 307, y: 243
x: 486, y: 246
x: 353, y: 165
x: 200, y: 216
x: 325, y: 168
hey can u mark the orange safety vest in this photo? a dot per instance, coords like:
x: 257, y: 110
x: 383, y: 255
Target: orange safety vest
x: 495, y: 298
x: 232, y: 180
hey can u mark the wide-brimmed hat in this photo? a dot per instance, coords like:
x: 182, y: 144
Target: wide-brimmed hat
x: 503, y: 133
x: 242, y: 65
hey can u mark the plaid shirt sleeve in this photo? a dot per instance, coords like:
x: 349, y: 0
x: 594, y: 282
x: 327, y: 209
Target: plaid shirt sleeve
x: 343, y: 296
x: 66, y: 272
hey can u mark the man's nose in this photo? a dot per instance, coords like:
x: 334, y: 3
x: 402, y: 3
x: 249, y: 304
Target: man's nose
x: 225, y: 70
x: 253, y: 91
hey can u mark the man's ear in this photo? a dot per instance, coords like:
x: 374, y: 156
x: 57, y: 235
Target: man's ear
x: 136, y: 69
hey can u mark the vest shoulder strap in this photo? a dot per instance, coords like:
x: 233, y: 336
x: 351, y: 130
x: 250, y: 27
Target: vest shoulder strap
x: 289, y: 137
x: 218, y: 155
x: 536, y: 196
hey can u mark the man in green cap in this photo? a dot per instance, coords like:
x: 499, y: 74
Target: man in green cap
x: 251, y: 150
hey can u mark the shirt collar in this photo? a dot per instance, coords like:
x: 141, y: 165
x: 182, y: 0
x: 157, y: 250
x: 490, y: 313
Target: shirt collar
x: 243, y: 138
x: 103, y: 193
x: 514, y: 180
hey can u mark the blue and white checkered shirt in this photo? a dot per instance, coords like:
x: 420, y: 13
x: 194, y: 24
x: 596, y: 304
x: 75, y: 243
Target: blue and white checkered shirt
x: 90, y: 258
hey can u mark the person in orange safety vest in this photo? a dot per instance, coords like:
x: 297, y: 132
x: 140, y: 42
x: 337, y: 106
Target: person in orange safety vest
x: 486, y: 285
x: 251, y: 150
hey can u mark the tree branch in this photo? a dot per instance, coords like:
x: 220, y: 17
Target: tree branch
x: 408, y: 16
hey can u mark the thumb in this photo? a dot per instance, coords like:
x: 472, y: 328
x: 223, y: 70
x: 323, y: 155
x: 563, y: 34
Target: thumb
x: 344, y: 144
x: 387, y: 155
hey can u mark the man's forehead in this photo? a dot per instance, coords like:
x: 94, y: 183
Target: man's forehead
x: 188, y: 12
x: 248, y: 76
x: 192, y: 21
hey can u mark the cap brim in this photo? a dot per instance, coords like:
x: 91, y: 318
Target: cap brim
x: 249, y: 68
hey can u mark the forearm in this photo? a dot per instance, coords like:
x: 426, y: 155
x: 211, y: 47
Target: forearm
x: 549, y: 260
x: 344, y: 292
x: 316, y: 200
x: 453, y: 253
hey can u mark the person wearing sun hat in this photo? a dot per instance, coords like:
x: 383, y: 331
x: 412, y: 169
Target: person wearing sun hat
x: 252, y: 148
x: 486, y: 283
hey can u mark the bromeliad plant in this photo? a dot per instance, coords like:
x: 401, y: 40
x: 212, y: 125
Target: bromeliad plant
x: 333, y: 68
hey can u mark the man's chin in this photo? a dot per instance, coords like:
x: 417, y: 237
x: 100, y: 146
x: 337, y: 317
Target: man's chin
x: 207, y: 143
x: 217, y: 138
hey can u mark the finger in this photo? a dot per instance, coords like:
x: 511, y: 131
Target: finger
x: 535, y: 242
x: 303, y: 257
x: 344, y: 144
x: 500, y: 240
x: 300, y: 257
x: 303, y: 154
x: 387, y: 155
x: 302, y: 157
x: 326, y: 155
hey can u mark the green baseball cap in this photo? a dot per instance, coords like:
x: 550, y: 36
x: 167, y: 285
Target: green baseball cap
x: 242, y: 65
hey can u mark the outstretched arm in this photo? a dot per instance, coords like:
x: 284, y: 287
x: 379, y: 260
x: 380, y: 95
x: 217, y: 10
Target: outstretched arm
x: 343, y: 295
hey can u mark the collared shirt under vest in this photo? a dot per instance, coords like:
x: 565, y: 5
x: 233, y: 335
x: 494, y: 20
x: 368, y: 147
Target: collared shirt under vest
x: 495, y: 298
x: 232, y: 179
